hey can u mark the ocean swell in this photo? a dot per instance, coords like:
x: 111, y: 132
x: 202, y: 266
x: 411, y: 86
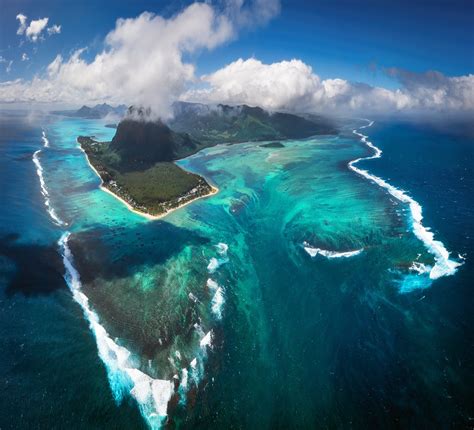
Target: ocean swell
x: 443, y: 266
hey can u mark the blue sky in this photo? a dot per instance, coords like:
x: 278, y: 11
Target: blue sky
x: 341, y: 56
x: 353, y: 40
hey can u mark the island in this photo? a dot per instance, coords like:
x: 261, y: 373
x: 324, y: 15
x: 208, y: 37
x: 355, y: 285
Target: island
x: 152, y: 192
x: 138, y: 165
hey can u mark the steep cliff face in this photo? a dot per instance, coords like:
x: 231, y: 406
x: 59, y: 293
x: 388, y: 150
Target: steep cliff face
x: 145, y: 143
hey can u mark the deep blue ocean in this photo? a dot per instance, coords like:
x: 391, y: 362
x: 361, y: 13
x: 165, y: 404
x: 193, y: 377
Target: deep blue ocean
x: 299, y: 296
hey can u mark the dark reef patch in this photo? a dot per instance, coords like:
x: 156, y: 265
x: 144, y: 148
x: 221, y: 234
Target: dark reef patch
x: 36, y: 269
x: 100, y: 252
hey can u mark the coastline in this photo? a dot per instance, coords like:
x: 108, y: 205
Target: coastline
x: 214, y: 190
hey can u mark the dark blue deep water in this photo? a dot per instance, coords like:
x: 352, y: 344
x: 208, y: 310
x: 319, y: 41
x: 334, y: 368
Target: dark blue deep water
x: 298, y: 341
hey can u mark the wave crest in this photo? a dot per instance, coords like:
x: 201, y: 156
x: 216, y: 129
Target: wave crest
x: 443, y: 266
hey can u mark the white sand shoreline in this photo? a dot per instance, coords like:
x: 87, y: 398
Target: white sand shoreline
x: 214, y: 190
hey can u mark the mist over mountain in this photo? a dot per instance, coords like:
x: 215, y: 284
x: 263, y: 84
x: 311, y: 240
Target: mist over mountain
x: 141, y: 140
x: 231, y: 124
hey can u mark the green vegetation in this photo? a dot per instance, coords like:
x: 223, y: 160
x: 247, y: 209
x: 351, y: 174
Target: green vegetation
x: 162, y: 183
x: 155, y: 189
x: 232, y: 124
x: 137, y: 165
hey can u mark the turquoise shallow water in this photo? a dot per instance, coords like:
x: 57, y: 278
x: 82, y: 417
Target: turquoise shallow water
x: 261, y: 335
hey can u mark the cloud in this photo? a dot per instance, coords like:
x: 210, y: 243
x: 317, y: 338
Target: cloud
x: 8, y: 63
x: 24, y: 57
x: 35, y: 28
x: 142, y: 61
x: 22, y: 27
x: 292, y: 85
x: 54, y: 29
x: 33, y: 31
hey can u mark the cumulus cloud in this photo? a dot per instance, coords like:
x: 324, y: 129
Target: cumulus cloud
x: 292, y: 85
x: 54, y: 29
x: 22, y: 26
x: 24, y: 57
x: 142, y: 62
x: 34, y: 30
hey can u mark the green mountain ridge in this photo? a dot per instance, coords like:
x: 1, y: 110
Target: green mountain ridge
x: 234, y: 124
x: 138, y: 164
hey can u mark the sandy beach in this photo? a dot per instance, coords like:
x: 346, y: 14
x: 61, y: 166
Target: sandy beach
x: 214, y: 190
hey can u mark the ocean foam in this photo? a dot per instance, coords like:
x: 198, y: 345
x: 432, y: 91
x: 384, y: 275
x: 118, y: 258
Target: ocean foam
x: 215, y: 263
x: 218, y: 302
x: 44, y: 139
x: 152, y: 395
x: 222, y: 248
x: 206, y: 340
x: 420, y: 268
x: 443, y: 265
x: 330, y: 254
x: 212, y: 284
x: 44, y: 190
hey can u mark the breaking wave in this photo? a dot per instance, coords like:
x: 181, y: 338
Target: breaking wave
x: 329, y: 254
x: 124, y: 375
x: 443, y: 266
x: 44, y: 139
x: 152, y: 395
x: 215, y: 263
x: 44, y: 190
x: 218, y: 299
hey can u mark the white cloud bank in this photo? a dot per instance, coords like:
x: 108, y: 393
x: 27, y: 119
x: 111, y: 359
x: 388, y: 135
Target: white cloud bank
x: 142, y: 62
x: 292, y: 85
x: 34, y: 30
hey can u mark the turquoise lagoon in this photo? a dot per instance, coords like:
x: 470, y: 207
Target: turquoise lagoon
x: 234, y: 311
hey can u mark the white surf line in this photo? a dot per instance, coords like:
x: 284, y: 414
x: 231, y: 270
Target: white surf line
x: 330, y: 254
x: 152, y: 395
x: 39, y: 171
x: 44, y: 139
x: 443, y: 265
